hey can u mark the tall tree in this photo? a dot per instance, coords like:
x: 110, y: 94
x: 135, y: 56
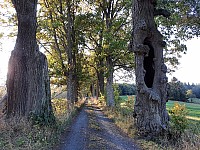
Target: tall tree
x: 151, y: 117
x: 110, y: 40
x: 28, y: 86
x: 58, y: 26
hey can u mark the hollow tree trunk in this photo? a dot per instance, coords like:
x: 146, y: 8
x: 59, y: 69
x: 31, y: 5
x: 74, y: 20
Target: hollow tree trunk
x: 151, y: 117
x: 28, y: 85
x: 109, y: 84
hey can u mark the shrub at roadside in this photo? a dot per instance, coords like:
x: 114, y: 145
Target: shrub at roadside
x: 178, y: 120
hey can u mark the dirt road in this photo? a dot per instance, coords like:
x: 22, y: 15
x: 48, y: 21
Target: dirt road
x: 91, y: 130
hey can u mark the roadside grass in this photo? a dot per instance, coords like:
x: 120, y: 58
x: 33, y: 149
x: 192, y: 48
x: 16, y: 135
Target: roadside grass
x: 189, y: 140
x: 19, y: 134
x: 2, y: 91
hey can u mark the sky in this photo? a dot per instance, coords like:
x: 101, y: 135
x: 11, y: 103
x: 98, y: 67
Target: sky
x: 188, y: 70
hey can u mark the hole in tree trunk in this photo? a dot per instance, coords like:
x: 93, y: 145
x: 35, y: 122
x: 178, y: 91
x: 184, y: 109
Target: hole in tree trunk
x: 149, y: 65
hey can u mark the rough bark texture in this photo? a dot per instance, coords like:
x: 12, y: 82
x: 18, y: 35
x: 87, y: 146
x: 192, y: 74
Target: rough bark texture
x: 100, y: 75
x: 109, y: 84
x: 71, y: 78
x: 101, y: 83
x: 151, y: 117
x: 28, y: 85
x: 109, y: 61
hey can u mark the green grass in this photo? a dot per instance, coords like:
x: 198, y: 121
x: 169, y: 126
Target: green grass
x: 124, y: 98
x: 193, y: 109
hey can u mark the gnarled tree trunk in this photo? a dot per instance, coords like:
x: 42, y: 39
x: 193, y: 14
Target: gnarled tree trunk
x: 28, y: 86
x: 151, y: 117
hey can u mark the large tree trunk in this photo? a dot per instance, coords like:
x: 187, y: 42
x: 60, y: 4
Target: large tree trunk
x: 109, y: 83
x: 151, y: 117
x: 100, y: 75
x: 109, y: 62
x: 100, y: 62
x: 75, y: 78
x: 71, y: 83
x: 28, y: 85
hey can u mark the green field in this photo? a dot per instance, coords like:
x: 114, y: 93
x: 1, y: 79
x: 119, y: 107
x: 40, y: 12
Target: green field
x: 193, y: 109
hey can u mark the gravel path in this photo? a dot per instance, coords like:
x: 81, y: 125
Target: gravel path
x: 76, y: 139
x: 91, y: 130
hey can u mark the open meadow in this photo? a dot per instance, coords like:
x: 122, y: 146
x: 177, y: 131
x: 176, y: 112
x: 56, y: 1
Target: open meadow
x: 192, y: 108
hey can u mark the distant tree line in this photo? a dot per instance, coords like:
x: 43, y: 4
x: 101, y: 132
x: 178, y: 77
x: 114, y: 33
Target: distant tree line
x: 127, y: 89
x: 178, y: 90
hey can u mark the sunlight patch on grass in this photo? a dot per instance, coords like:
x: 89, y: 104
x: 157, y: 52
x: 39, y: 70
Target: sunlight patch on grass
x: 193, y: 118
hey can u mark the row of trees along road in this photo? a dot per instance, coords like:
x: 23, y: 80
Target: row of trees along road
x: 86, y: 41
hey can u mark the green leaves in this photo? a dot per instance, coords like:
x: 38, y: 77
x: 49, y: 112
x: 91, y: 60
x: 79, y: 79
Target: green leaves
x: 183, y: 24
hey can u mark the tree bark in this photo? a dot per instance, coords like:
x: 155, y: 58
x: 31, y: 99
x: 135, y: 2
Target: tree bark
x: 28, y: 85
x: 107, y: 9
x: 100, y: 76
x: 109, y: 83
x: 71, y: 83
x: 93, y: 90
x: 151, y: 117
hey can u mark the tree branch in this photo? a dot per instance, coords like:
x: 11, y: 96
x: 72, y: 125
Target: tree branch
x: 44, y: 47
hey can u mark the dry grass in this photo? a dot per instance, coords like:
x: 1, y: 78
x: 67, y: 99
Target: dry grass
x: 2, y: 91
x: 2, y: 100
x: 122, y: 116
x: 121, y: 119
x: 19, y: 134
